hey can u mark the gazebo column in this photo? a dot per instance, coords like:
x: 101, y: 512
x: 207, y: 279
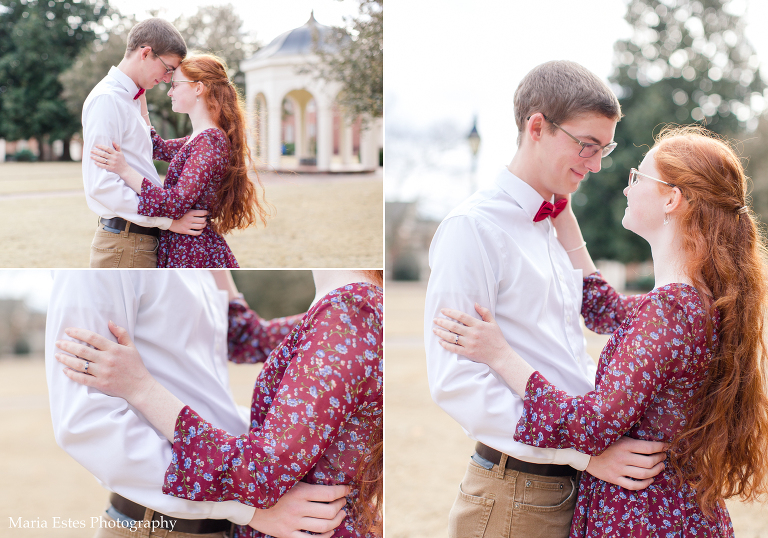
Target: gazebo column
x: 300, y: 123
x: 324, y: 135
x: 263, y: 127
x: 345, y: 141
x: 274, y: 132
x: 368, y: 155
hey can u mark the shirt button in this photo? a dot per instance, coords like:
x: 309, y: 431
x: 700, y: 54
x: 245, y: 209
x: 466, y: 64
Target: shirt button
x: 560, y: 277
x: 568, y: 318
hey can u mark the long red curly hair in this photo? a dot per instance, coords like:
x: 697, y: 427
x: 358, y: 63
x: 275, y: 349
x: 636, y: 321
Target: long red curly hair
x: 370, y: 477
x: 723, y: 449
x: 237, y: 197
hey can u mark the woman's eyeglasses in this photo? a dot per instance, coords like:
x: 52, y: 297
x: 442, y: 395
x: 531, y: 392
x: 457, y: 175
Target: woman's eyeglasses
x: 174, y: 82
x: 634, y: 177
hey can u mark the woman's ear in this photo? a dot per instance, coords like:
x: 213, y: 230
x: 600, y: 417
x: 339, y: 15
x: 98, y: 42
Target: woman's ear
x: 675, y: 200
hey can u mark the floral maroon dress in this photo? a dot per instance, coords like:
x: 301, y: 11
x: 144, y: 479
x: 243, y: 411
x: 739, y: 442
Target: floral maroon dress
x: 195, y: 172
x: 652, y: 366
x: 317, y: 408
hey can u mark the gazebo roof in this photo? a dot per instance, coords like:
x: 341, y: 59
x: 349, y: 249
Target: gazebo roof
x: 299, y: 41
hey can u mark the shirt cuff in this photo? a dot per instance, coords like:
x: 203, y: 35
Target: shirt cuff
x: 163, y: 223
x: 237, y: 513
x: 574, y: 458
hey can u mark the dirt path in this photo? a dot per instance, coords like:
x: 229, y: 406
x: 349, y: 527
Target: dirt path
x: 427, y: 452
x: 320, y: 220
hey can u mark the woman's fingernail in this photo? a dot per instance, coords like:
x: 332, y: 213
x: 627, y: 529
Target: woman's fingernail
x: 68, y: 331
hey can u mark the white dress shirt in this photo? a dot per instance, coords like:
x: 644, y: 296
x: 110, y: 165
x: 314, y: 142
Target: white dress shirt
x: 111, y: 114
x: 178, y: 321
x: 488, y: 250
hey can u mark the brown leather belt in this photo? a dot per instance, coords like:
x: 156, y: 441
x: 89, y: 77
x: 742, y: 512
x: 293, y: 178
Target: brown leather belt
x: 118, y: 223
x: 190, y: 526
x: 541, y: 469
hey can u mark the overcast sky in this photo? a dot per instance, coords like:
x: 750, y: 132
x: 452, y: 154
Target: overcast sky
x: 447, y: 60
x: 267, y: 18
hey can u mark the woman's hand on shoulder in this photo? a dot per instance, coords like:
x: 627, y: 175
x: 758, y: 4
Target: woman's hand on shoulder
x: 114, y: 368
x: 480, y: 340
x: 110, y: 159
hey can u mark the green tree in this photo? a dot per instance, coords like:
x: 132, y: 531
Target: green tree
x: 688, y: 60
x: 354, y: 57
x: 38, y: 40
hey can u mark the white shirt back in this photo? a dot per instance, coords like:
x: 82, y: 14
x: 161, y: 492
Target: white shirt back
x: 488, y: 250
x: 178, y: 322
x: 111, y: 114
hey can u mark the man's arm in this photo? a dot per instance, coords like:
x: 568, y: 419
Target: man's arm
x: 102, y: 124
x: 102, y: 433
x: 464, y: 256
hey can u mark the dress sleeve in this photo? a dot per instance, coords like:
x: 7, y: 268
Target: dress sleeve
x: 603, y: 308
x: 206, y: 161
x: 250, y: 338
x: 650, y: 355
x: 335, y: 371
x: 165, y: 150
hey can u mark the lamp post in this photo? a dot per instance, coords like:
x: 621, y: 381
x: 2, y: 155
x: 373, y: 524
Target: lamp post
x: 474, y: 145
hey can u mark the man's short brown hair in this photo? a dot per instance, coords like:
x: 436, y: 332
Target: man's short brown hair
x: 161, y: 35
x: 562, y: 90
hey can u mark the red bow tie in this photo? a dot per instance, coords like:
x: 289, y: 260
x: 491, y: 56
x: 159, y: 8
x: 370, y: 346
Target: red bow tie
x: 547, y: 209
x: 141, y: 90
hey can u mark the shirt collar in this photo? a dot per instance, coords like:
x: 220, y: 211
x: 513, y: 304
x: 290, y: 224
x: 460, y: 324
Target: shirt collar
x: 525, y: 195
x: 124, y: 80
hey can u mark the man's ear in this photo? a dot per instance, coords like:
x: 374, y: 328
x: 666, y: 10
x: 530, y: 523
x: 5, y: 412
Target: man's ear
x: 534, y: 126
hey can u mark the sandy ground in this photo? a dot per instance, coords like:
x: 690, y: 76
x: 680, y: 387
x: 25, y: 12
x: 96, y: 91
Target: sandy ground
x: 426, y: 452
x: 320, y: 220
x: 38, y: 480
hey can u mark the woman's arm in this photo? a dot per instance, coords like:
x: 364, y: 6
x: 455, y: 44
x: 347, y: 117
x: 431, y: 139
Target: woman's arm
x: 165, y: 150
x: 116, y: 369
x: 207, y: 161
x: 653, y: 351
x: 569, y: 235
x: 252, y: 339
x: 603, y: 308
x: 332, y: 372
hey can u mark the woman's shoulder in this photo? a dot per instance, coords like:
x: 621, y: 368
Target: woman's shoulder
x: 351, y: 303
x: 676, y: 305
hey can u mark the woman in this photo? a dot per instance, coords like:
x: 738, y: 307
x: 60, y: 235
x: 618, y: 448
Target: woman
x: 317, y: 405
x: 684, y: 361
x: 208, y: 170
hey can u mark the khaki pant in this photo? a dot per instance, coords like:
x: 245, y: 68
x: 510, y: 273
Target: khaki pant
x: 123, y: 250
x: 511, y: 504
x: 109, y: 529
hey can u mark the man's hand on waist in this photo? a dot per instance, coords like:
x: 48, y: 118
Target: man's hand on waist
x: 629, y: 459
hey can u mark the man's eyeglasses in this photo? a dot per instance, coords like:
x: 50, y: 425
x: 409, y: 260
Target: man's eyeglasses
x: 168, y: 70
x: 174, y: 82
x: 588, y: 149
x: 634, y: 177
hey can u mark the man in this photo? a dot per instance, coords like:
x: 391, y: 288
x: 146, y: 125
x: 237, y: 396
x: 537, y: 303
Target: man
x: 499, y: 249
x: 112, y: 114
x: 178, y: 322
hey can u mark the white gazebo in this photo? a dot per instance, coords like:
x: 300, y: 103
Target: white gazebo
x: 296, y: 124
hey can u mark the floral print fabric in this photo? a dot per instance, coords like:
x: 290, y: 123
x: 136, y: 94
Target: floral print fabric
x: 194, y: 174
x: 317, y: 410
x: 650, y: 369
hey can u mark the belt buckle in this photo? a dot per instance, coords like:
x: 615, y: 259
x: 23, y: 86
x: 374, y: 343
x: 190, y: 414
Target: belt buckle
x: 112, y: 230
